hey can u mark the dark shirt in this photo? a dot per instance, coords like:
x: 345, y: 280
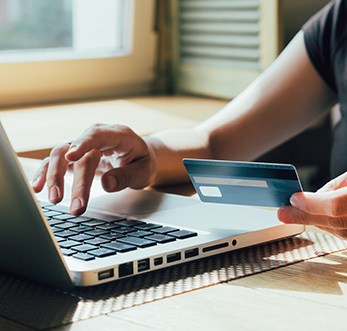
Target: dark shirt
x: 325, y: 37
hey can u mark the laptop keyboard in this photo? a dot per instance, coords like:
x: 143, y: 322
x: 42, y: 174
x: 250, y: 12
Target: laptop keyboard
x: 87, y: 238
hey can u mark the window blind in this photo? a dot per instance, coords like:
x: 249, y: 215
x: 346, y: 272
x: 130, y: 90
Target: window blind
x: 223, y: 45
x: 220, y: 33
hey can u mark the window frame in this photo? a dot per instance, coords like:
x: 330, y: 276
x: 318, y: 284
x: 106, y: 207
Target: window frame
x: 35, y: 82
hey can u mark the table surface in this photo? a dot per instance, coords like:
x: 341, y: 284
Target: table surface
x: 310, y: 295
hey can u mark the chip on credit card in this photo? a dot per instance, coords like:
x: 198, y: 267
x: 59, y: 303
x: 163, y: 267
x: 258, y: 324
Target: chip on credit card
x: 243, y: 183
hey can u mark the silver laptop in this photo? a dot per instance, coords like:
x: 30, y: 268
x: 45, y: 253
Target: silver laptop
x: 121, y: 235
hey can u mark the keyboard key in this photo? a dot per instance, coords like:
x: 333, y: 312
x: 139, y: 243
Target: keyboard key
x: 55, y: 229
x: 102, y: 252
x: 108, y: 226
x: 130, y: 222
x: 65, y: 225
x: 44, y: 204
x: 112, y: 236
x: 140, y: 233
x: 60, y: 208
x: 54, y: 222
x: 147, y: 226
x: 63, y: 217
x: 59, y: 239
x: 160, y: 238
x: 164, y: 230
x: 68, y: 243
x: 97, y: 241
x: 80, y: 219
x: 51, y: 213
x: 139, y: 242
x: 80, y: 237
x: 183, y: 234
x: 80, y: 229
x: 84, y: 256
x: 123, y: 230
x: 65, y: 233
x: 96, y: 232
x: 84, y: 248
x: 68, y: 252
x: 93, y: 223
x: 119, y: 247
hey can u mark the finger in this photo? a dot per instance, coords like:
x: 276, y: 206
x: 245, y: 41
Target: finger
x: 104, y: 137
x: 39, y: 178
x: 84, y: 171
x: 135, y: 175
x: 291, y: 215
x: 335, y: 183
x: 332, y: 203
x: 104, y: 165
x: 55, y: 173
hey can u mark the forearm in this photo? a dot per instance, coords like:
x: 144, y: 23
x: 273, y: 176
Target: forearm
x: 170, y: 147
x: 286, y: 99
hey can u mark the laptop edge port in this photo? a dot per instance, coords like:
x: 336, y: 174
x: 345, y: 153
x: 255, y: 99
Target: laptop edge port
x: 158, y: 261
x: 191, y: 253
x: 173, y: 257
x: 143, y: 265
x: 215, y: 247
x: 125, y: 269
x: 105, y: 274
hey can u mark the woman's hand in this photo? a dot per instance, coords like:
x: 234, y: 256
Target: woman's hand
x: 115, y: 152
x: 326, y: 208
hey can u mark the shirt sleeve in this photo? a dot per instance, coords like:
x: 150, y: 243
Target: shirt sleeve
x: 323, y: 35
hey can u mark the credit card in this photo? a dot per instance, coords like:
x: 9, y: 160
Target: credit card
x: 243, y: 183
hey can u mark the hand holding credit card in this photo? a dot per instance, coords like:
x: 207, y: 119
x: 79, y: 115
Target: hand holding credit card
x: 243, y: 183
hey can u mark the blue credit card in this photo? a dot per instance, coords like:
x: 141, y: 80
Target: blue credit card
x: 243, y: 183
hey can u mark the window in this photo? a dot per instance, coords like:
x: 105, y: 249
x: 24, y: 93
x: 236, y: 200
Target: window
x: 58, y: 29
x: 73, y: 49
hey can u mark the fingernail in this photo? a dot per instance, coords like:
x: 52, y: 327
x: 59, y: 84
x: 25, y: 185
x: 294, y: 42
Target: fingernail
x: 284, y: 215
x: 76, y: 204
x: 34, y: 182
x: 294, y: 201
x: 111, y: 183
x: 54, y: 193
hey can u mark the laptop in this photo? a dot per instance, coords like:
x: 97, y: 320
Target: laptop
x: 121, y: 234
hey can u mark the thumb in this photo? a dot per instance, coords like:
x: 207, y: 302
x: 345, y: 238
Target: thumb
x: 135, y: 175
x: 334, y: 184
x: 331, y: 203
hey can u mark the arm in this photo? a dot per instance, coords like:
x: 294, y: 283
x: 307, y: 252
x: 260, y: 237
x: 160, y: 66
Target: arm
x: 287, y: 98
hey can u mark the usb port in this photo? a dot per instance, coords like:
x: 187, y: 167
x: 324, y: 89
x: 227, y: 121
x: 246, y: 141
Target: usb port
x: 173, y: 257
x: 105, y: 274
x: 191, y: 253
x: 143, y: 265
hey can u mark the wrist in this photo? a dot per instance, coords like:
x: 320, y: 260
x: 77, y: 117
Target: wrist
x: 153, y: 160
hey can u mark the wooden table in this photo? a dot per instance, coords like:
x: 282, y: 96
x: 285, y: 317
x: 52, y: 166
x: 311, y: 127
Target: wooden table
x: 310, y: 295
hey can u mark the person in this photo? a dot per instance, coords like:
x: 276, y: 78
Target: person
x: 303, y: 83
